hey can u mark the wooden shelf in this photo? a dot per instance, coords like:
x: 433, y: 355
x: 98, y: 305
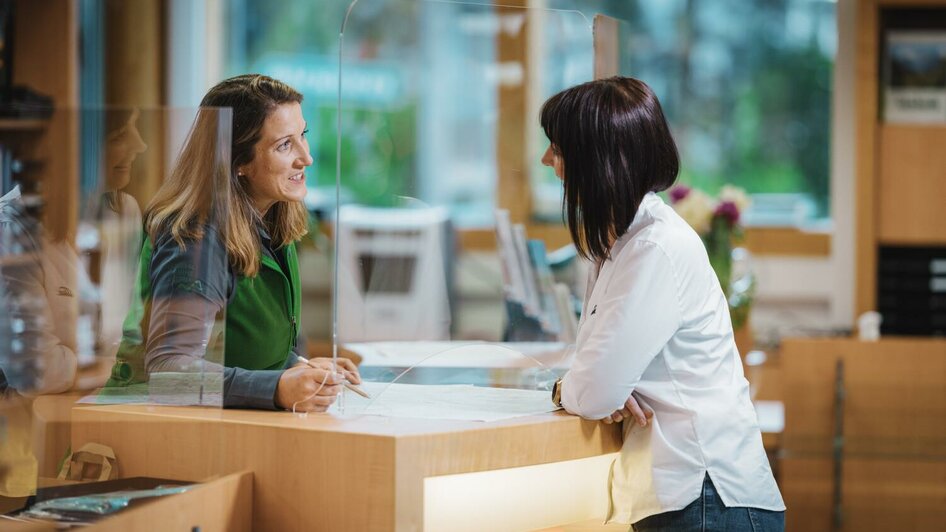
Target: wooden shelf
x: 769, y: 241
x: 26, y: 125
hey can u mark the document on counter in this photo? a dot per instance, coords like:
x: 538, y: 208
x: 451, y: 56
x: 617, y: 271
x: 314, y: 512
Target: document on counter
x: 464, y: 354
x: 461, y: 402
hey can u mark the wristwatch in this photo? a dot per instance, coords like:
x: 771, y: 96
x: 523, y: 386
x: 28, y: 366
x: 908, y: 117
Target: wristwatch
x: 557, y: 393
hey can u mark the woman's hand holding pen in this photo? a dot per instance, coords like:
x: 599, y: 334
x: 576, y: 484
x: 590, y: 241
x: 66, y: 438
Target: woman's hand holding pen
x: 345, y: 367
x: 630, y: 409
x: 307, y: 388
x: 348, y: 369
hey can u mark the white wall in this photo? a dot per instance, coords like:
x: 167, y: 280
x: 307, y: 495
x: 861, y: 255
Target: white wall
x: 195, y: 63
x: 843, y: 167
x: 194, y: 50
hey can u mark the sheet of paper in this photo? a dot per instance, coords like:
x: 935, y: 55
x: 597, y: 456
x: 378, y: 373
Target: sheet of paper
x: 460, y: 402
x: 464, y: 354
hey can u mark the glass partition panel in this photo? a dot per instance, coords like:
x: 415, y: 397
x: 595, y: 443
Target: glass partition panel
x: 455, y: 136
x: 88, y: 299
x: 168, y: 283
x: 93, y: 298
x: 564, y: 56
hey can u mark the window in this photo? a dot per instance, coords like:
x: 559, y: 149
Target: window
x: 747, y: 89
x: 746, y: 86
x: 423, y: 93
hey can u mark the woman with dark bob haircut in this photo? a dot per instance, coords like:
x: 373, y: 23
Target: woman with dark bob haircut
x: 655, y: 343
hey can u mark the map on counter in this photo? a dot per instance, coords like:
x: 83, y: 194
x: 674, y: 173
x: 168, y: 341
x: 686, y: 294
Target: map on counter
x: 461, y: 402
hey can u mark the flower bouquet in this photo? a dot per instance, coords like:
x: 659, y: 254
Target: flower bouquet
x: 716, y: 220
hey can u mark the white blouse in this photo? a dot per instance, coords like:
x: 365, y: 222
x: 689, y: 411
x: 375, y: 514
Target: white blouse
x: 47, y: 285
x: 655, y: 322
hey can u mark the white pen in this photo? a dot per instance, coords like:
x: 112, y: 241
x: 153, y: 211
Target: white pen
x: 345, y: 383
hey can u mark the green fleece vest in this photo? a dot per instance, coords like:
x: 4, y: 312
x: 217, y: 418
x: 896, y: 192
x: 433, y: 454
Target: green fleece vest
x: 261, y: 322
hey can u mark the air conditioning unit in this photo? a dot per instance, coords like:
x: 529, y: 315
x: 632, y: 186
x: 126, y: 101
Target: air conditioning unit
x: 395, y: 274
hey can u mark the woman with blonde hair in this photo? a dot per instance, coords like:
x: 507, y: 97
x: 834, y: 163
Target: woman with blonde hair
x: 220, y: 246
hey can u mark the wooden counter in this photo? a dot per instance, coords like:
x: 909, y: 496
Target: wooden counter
x: 333, y: 473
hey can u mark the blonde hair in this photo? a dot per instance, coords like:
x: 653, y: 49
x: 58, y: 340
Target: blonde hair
x: 204, y: 187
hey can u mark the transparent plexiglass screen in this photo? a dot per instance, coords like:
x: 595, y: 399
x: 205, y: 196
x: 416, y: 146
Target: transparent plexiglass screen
x: 437, y: 129
x: 84, y: 303
x: 85, y: 313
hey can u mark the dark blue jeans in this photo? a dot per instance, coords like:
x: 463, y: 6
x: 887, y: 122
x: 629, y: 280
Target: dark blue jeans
x: 708, y: 513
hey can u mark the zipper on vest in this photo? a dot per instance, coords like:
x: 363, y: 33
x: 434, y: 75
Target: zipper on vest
x: 288, y: 291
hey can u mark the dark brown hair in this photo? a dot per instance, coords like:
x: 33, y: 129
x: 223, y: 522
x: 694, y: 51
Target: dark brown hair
x: 616, y: 147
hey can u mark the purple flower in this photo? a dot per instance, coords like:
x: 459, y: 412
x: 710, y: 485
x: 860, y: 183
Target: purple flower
x: 729, y: 211
x: 679, y: 192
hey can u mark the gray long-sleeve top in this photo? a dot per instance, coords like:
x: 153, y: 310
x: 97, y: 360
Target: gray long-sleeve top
x: 183, y: 314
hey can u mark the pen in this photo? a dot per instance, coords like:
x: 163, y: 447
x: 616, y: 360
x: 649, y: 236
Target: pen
x: 345, y: 383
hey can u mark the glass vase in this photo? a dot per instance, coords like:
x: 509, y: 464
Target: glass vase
x: 719, y: 248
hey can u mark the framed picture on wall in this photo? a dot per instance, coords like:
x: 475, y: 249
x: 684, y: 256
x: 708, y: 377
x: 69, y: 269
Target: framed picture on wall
x: 915, y: 77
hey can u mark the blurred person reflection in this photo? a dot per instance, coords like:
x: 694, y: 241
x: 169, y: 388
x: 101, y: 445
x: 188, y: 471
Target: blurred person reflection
x: 220, y: 246
x: 40, y: 281
x: 22, y: 316
x: 47, y: 295
x: 119, y: 222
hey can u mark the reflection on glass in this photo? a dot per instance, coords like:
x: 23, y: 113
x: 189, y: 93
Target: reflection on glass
x: 41, y: 281
x: 119, y: 226
x: 168, y: 336
x: 33, y: 358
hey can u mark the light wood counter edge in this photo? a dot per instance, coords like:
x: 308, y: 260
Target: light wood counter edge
x: 366, y: 425
x: 401, y: 453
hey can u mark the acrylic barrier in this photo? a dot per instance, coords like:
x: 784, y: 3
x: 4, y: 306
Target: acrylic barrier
x: 447, y: 142
x: 99, y: 286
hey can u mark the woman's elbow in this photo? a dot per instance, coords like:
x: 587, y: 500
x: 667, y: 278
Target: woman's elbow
x: 162, y: 362
x: 178, y: 362
x: 590, y: 404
